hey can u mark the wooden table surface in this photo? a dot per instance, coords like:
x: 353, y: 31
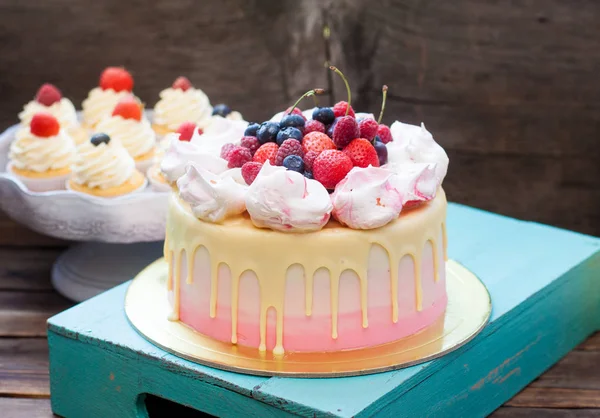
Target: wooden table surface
x: 569, y: 389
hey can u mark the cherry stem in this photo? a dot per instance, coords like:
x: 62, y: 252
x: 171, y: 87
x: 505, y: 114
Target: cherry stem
x: 384, y: 90
x: 308, y: 93
x: 334, y: 69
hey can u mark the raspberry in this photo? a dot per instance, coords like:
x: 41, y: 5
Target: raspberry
x: 362, y: 153
x: 44, y: 125
x: 296, y: 111
x: 316, y: 141
x: 309, y: 159
x: 226, y: 150
x: 128, y: 108
x: 368, y: 128
x: 182, y: 83
x: 383, y: 131
x: 289, y: 147
x: 48, y: 95
x: 266, y: 152
x: 313, y: 126
x: 250, y: 142
x: 238, y: 156
x: 117, y: 79
x: 186, y: 131
x: 345, y: 130
x: 340, y: 109
x: 250, y: 171
x: 330, y: 167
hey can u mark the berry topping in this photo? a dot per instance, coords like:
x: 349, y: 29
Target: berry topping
x: 317, y: 141
x: 294, y: 121
x: 313, y: 126
x: 368, y: 128
x: 99, y: 138
x: 329, y: 128
x: 345, y: 130
x: 250, y: 142
x: 250, y: 171
x: 330, y: 167
x: 362, y: 153
x: 251, y: 129
x: 289, y: 147
x: 117, y: 79
x: 309, y: 159
x: 267, y: 132
x: 266, y: 152
x: 308, y: 175
x: 44, y: 125
x: 324, y: 115
x: 226, y: 150
x: 340, y: 109
x: 48, y: 94
x: 382, y: 152
x: 383, y: 131
x: 221, y: 110
x: 294, y: 163
x: 238, y: 156
x: 293, y: 111
x: 128, y: 108
x: 181, y: 83
x: 288, y: 132
x: 186, y: 131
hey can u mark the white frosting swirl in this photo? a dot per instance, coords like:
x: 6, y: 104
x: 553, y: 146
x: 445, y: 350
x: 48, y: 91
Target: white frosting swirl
x: 63, y: 111
x: 416, y: 182
x: 367, y: 198
x: 103, y: 166
x: 100, y: 103
x: 34, y: 153
x: 219, y: 131
x: 213, y: 197
x: 415, y: 144
x: 137, y: 137
x: 177, y: 106
x: 285, y: 200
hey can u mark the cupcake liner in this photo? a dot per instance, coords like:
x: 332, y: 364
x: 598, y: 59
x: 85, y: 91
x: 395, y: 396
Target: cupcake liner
x: 41, y: 184
x: 138, y: 190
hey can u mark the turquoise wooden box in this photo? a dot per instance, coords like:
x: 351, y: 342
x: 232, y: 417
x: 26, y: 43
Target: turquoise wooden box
x: 545, y: 288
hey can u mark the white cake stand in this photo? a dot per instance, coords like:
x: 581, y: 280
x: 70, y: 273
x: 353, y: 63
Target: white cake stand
x: 116, y: 237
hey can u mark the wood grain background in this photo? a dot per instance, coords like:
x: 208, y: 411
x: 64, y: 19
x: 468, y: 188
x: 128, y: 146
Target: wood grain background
x: 510, y: 89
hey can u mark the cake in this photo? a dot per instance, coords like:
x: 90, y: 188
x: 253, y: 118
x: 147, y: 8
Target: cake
x: 41, y: 154
x: 308, y: 233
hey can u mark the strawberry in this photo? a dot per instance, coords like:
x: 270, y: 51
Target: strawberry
x: 186, y: 131
x: 368, y: 128
x: 384, y: 133
x: 250, y: 171
x: 48, y: 94
x: 238, y: 157
x: 345, y: 130
x: 128, y: 108
x: 340, y: 109
x: 266, y: 152
x: 309, y: 159
x: 316, y: 141
x: 313, y: 126
x: 181, y: 83
x: 362, y: 153
x: 117, y: 79
x: 290, y: 146
x: 44, y: 125
x: 330, y: 167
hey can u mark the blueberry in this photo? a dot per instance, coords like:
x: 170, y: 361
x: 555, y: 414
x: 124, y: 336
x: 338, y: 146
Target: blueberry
x: 99, y: 138
x: 267, y: 132
x: 329, y: 130
x: 295, y: 121
x: 382, y: 152
x: 251, y: 129
x: 221, y: 110
x: 324, y: 115
x: 377, y: 139
x: 294, y: 163
x: 288, y: 132
x: 308, y: 175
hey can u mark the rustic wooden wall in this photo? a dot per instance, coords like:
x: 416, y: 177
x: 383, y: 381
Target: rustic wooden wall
x: 510, y: 89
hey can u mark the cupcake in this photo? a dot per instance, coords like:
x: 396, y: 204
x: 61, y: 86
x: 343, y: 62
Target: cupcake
x: 180, y: 103
x: 127, y: 126
x: 50, y: 100
x: 41, y: 154
x: 104, y: 168
x: 225, y: 112
x: 115, y: 84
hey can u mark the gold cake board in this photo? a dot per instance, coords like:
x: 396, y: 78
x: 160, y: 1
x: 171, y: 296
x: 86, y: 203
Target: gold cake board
x: 469, y: 308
